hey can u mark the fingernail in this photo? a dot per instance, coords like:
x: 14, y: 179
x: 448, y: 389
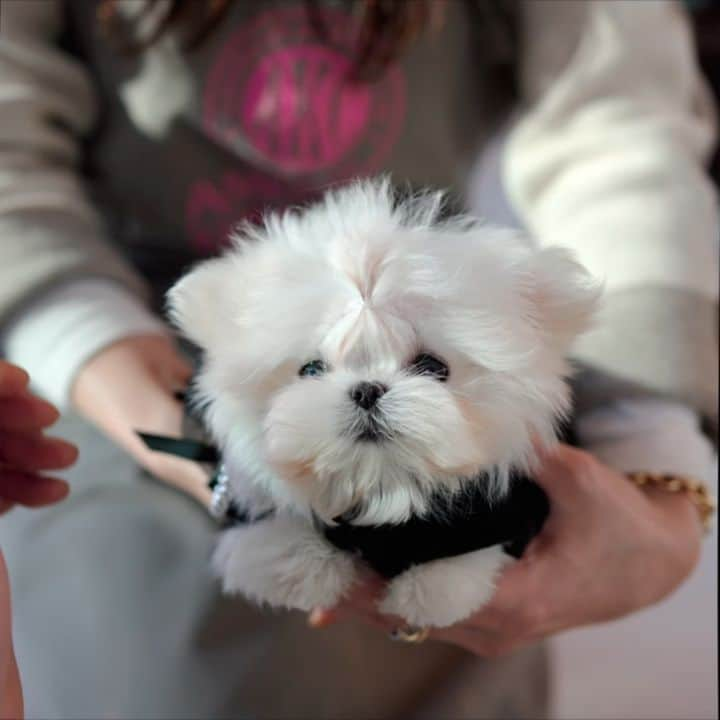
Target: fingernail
x: 48, y: 412
x: 62, y: 490
x: 68, y: 452
x: 317, y: 618
x: 13, y: 375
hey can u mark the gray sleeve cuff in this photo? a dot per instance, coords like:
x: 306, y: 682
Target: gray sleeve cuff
x: 650, y: 435
x: 651, y: 341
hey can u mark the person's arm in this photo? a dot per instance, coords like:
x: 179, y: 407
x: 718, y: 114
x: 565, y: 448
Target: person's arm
x: 57, y: 333
x: 51, y: 236
x: 608, y: 159
x: 49, y: 232
x: 53, y: 245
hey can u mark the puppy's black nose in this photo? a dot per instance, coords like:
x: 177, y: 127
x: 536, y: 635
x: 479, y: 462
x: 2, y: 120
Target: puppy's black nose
x: 366, y: 394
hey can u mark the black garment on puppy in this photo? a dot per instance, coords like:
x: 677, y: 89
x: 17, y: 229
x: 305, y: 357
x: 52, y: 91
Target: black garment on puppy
x: 457, y: 525
x: 454, y: 525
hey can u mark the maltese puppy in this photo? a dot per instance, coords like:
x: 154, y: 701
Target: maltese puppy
x: 377, y: 379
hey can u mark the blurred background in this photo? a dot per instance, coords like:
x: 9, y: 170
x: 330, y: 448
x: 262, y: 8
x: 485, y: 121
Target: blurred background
x: 661, y: 663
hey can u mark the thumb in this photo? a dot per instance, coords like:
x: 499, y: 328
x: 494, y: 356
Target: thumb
x: 566, y: 474
x: 168, y: 364
x: 181, y: 367
x: 179, y: 371
x: 13, y: 380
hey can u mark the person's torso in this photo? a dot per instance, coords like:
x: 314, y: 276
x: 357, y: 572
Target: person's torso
x: 261, y: 115
x: 265, y: 113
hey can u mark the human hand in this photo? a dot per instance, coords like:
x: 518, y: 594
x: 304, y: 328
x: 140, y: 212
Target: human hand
x: 606, y: 550
x: 24, y: 450
x: 129, y: 387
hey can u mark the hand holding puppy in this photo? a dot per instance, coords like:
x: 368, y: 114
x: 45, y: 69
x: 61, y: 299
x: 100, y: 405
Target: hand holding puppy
x: 607, y: 549
x: 130, y: 386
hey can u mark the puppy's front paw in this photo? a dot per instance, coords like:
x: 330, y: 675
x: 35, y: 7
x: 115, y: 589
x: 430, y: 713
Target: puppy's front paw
x: 443, y: 592
x: 284, y: 562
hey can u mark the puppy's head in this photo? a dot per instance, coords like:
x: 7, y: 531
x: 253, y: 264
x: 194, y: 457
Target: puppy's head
x: 361, y: 354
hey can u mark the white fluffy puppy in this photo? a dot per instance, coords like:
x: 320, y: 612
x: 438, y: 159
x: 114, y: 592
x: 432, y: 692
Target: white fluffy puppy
x: 370, y: 366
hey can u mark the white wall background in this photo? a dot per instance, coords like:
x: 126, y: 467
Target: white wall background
x: 660, y: 664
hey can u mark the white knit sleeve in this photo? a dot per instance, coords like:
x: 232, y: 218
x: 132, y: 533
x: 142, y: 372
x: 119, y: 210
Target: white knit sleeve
x: 58, y: 332
x: 608, y: 159
x: 649, y: 435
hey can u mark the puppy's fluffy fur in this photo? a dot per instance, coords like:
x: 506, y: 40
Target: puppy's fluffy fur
x: 360, y: 284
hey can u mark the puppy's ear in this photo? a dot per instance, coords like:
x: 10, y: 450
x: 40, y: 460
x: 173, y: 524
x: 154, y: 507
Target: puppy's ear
x: 564, y: 294
x: 200, y: 303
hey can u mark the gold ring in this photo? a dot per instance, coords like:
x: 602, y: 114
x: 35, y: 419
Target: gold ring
x: 410, y: 634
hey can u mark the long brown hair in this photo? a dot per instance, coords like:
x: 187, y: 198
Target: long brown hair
x: 388, y: 27
x: 706, y: 23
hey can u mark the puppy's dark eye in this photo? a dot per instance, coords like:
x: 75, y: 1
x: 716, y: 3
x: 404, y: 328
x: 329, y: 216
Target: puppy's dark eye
x: 426, y: 364
x: 314, y: 368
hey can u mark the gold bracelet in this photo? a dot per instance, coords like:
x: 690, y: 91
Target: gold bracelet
x: 698, y: 493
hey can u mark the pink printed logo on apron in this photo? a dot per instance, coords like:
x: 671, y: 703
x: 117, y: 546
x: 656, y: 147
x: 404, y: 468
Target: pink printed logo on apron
x: 214, y: 209
x: 278, y: 95
x: 298, y: 112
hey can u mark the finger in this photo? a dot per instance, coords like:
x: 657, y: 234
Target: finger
x: 176, y: 373
x: 362, y: 599
x: 31, y: 490
x: 520, y: 608
x: 26, y: 412
x: 567, y: 474
x: 320, y: 617
x: 34, y: 451
x: 181, y: 370
x: 371, y: 614
x: 173, y: 370
x: 324, y: 617
x: 13, y: 380
x: 480, y: 644
x: 187, y: 475
x: 477, y: 640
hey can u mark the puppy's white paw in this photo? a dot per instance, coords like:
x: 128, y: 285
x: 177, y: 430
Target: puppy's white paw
x: 284, y: 562
x: 443, y: 592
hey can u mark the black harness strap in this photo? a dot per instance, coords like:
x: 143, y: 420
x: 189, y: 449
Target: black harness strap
x: 454, y: 526
x: 235, y: 514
